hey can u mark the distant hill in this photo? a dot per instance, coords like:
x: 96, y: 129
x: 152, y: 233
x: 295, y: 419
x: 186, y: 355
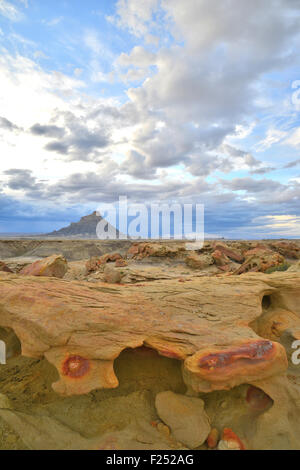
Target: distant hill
x: 85, y: 228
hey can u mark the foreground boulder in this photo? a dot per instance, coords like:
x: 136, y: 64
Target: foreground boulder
x: 53, y: 266
x: 5, y: 268
x: 185, y: 416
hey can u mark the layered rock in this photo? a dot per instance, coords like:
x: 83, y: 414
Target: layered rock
x: 140, y: 250
x: 260, y: 260
x: 52, y: 266
x: 288, y: 249
x: 233, y: 254
x: 82, y: 328
x: 196, y: 261
x: 211, y: 354
x: 94, y: 263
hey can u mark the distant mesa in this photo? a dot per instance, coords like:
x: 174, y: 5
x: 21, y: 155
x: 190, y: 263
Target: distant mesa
x: 85, y: 228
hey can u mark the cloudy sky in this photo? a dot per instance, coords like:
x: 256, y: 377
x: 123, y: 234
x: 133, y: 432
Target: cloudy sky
x: 159, y: 100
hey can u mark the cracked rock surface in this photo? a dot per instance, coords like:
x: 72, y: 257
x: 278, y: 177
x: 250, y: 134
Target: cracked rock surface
x: 90, y: 364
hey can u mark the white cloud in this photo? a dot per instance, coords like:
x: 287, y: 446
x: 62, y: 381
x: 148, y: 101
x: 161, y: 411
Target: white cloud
x: 198, y: 96
x: 54, y: 21
x: 40, y: 55
x: 10, y: 11
x: 273, y: 136
x: 78, y: 72
x: 134, y: 15
x: 138, y: 57
x: 294, y: 138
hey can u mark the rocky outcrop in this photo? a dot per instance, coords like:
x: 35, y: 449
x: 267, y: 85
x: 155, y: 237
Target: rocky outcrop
x: 164, y: 364
x: 94, y: 263
x: 233, y: 254
x: 196, y: 261
x: 140, y: 250
x: 203, y: 323
x: 53, y: 266
x: 260, y: 260
x: 290, y: 250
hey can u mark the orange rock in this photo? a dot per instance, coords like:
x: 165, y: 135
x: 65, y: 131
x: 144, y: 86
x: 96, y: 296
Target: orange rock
x: 224, y: 369
x: 95, y: 262
x: 5, y: 268
x: 134, y: 250
x: 230, y: 441
x: 78, y: 374
x: 53, y: 266
x: 142, y: 250
x: 233, y: 254
x: 220, y: 258
x: 212, y: 439
x: 260, y: 260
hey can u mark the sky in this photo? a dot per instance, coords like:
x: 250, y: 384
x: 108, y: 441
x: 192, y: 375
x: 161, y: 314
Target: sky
x: 194, y: 101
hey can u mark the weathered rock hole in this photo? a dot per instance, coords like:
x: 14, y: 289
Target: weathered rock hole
x: 238, y: 408
x: 12, y: 343
x: 266, y: 302
x: 144, y: 369
x: 258, y: 400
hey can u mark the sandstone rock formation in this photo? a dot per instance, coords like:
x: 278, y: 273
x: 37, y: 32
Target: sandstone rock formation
x: 204, y: 323
x: 233, y: 254
x: 120, y: 357
x: 94, y: 263
x: 260, y: 260
x: 295, y: 268
x: 53, y: 266
x: 288, y: 249
x: 140, y: 250
x: 196, y: 261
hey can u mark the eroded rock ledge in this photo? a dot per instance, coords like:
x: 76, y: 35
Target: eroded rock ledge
x: 205, y: 323
x: 223, y: 345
